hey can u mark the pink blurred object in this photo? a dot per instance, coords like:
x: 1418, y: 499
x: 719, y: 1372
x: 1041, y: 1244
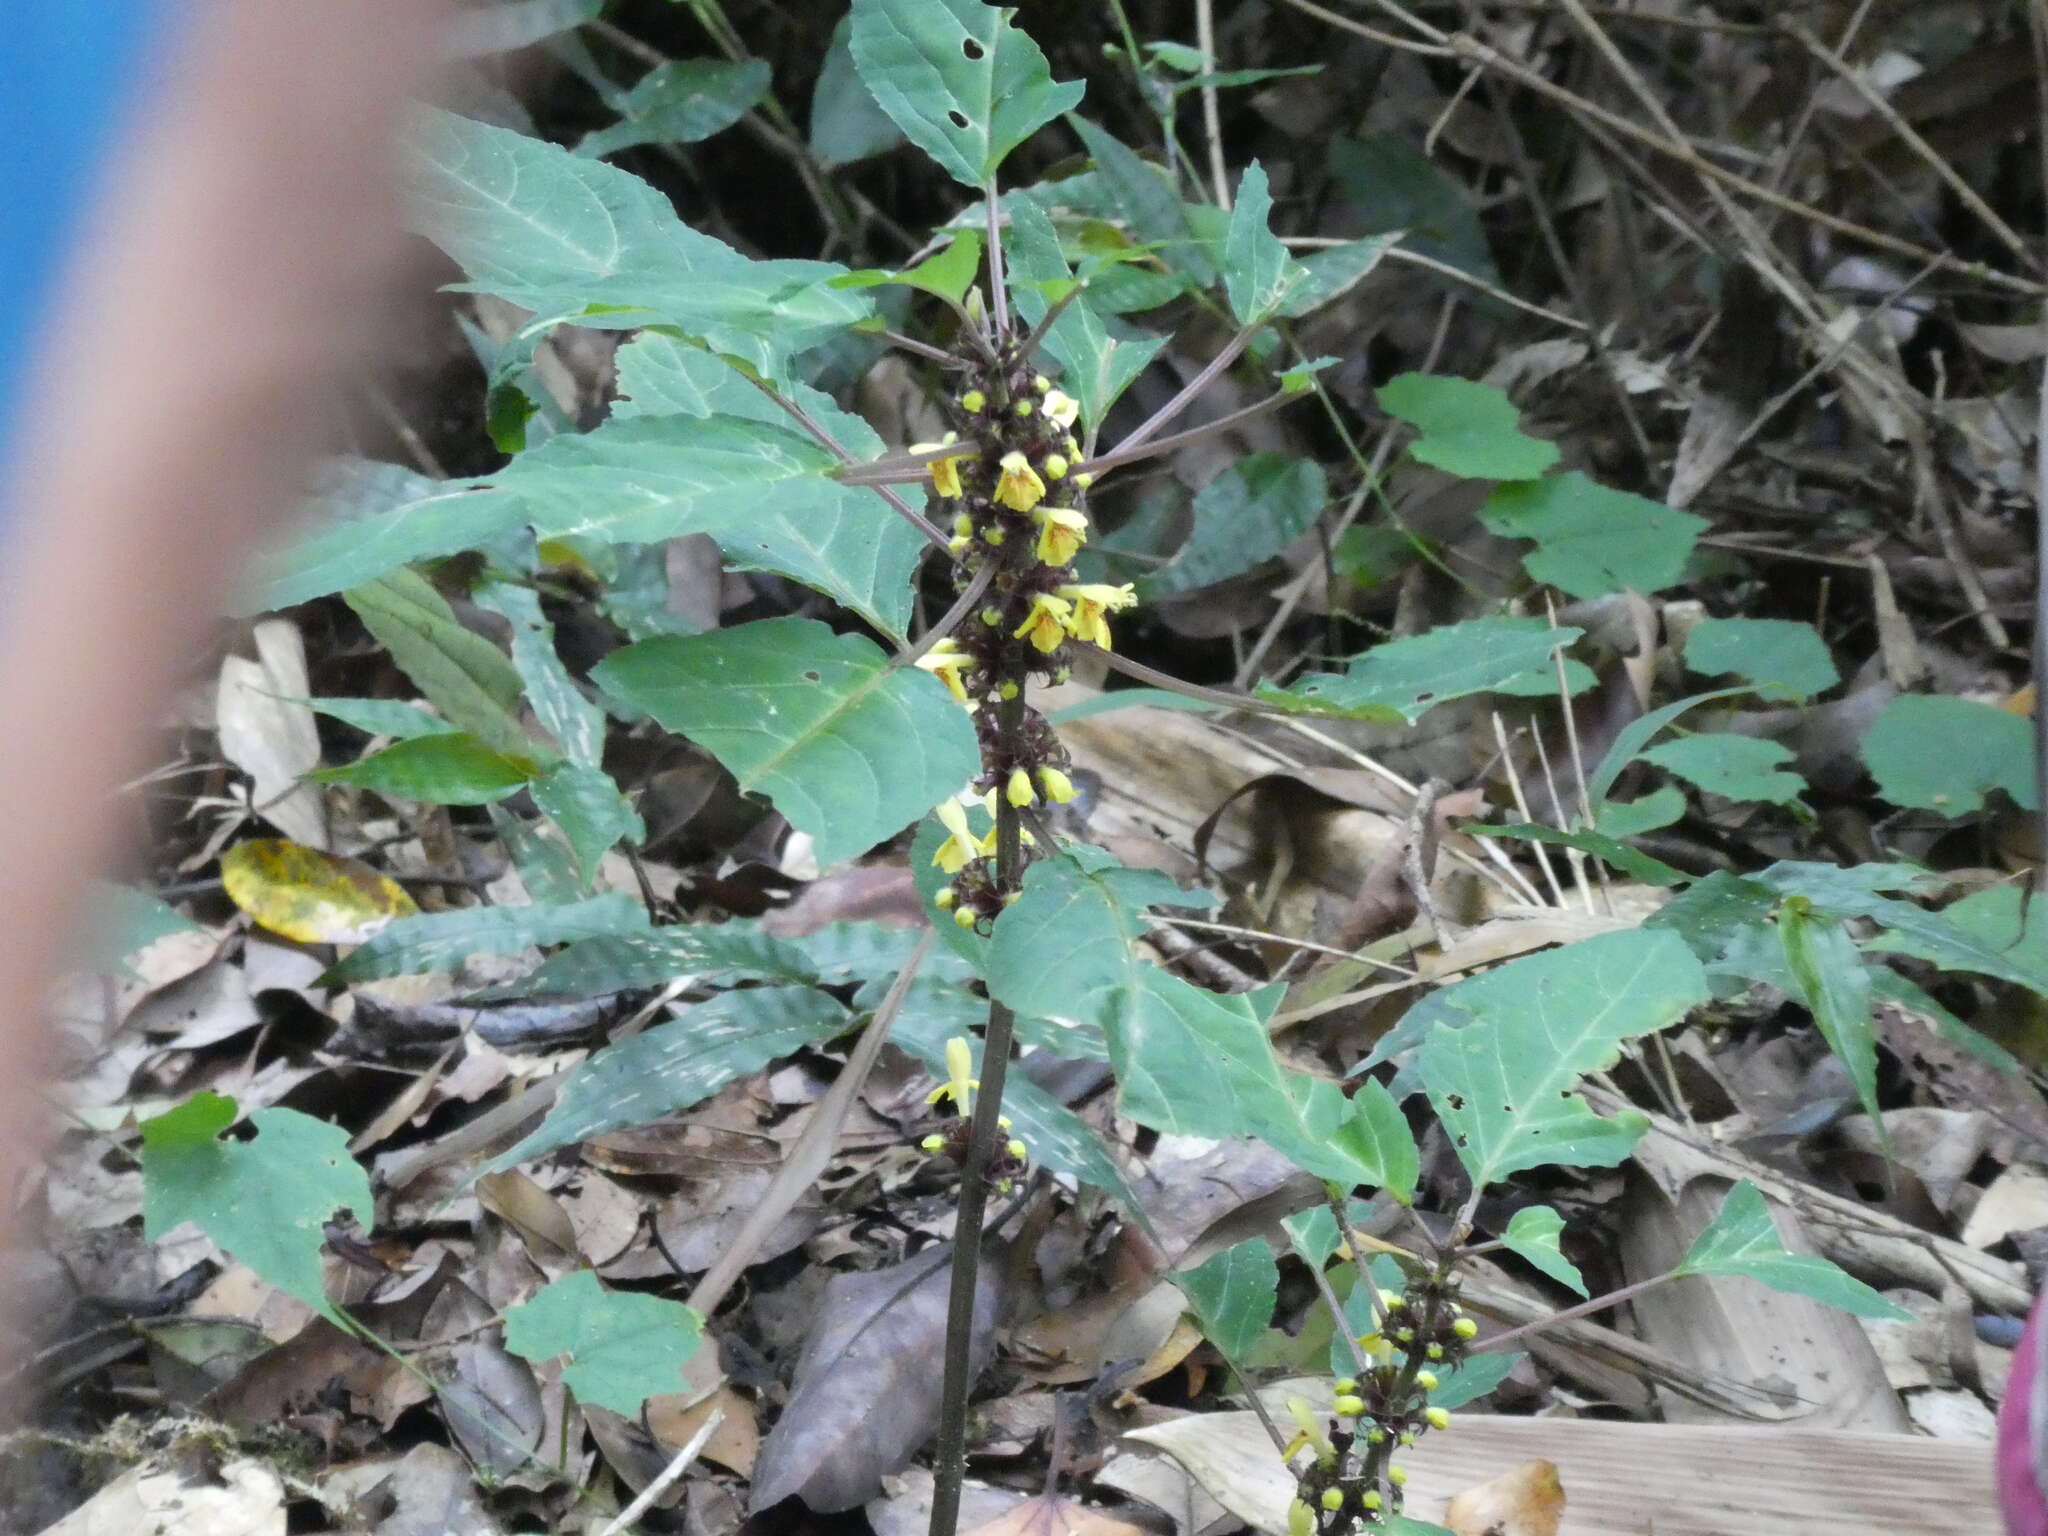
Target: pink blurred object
x: 2023, y: 1434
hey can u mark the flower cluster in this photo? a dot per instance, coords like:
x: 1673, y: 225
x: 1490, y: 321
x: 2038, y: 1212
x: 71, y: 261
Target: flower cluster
x: 1014, y: 495
x: 1351, y: 1480
x: 959, y: 1086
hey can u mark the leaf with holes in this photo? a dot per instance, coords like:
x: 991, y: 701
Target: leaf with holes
x: 850, y: 748
x: 1399, y: 681
x: 434, y: 941
x: 683, y: 1062
x: 1511, y: 1046
x: 267, y: 1200
x: 1466, y: 428
x: 1744, y: 1240
x: 958, y: 77
x: 1533, y: 1232
x: 1591, y: 540
x: 1785, y: 660
x: 1233, y: 1294
x: 572, y: 238
x: 1946, y: 755
x: 622, y: 1347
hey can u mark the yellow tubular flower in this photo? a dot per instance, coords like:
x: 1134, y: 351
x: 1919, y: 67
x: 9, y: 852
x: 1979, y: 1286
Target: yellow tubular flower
x: 961, y: 845
x: 1301, y: 1520
x: 1091, y: 602
x: 1061, y: 531
x: 959, y: 1083
x: 1062, y: 407
x: 1059, y: 789
x: 1018, y: 486
x: 1310, y: 1431
x: 946, y: 661
x: 1045, y: 626
x: 1019, y: 791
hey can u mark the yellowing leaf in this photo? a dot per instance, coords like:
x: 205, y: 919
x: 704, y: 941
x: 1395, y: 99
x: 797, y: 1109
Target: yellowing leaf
x: 309, y: 896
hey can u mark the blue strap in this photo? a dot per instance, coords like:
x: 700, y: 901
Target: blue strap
x: 68, y: 73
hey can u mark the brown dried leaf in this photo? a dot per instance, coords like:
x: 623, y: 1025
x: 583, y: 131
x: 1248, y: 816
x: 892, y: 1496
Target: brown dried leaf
x: 1051, y: 1515
x: 1523, y: 1501
x: 866, y: 1394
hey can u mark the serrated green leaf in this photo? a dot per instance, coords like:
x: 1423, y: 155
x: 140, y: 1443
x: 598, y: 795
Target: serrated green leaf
x: 1737, y: 767
x: 1233, y: 1295
x: 947, y: 275
x: 1744, y: 1240
x: 623, y: 961
x: 1402, y: 679
x: 1146, y: 200
x: 1945, y: 754
x: 1533, y: 1232
x: 365, y: 521
x: 1833, y: 984
x: 382, y: 717
x: 847, y: 124
x: 575, y: 239
x: 266, y: 1201
x: 683, y: 1062
x: 589, y: 808
x: 1994, y: 932
x: 959, y: 78
x: 465, y: 676
x: 446, y: 768
x: 558, y: 704
x: 764, y: 492
x: 1333, y: 272
x: 1097, y: 367
x: 1503, y: 1082
x: 1661, y: 807
x: 848, y: 747
x: 1784, y: 659
x: 622, y: 1347
x: 1243, y: 518
x: 1258, y: 274
x: 1467, y: 428
x: 1629, y: 861
x: 681, y: 102
x: 433, y: 941
x: 1591, y: 540
x: 1376, y: 1137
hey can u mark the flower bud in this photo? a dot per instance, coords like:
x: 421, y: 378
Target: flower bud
x: 1018, y: 1150
x: 1040, y: 383
x: 1024, y: 408
x: 1007, y: 691
x: 1301, y: 1520
x: 1084, y: 481
x: 964, y: 916
x: 1427, y: 1380
x: 1055, y: 466
x: 1059, y: 789
x: 1398, y: 1476
x: 933, y: 1143
x: 1465, y: 1329
x: 945, y: 899
x: 973, y: 401
x: 1344, y: 1384
x: 1370, y: 1499
x: 1019, y: 791
x: 1349, y: 1407
x: 1439, y: 1418
x: 991, y: 617
x: 1332, y: 1499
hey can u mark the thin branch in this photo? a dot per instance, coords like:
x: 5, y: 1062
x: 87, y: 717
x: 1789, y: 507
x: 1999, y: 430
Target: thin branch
x: 832, y: 445
x: 1597, y: 1304
x: 999, y: 295
x: 1163, y: 418
x: 1124, y: 453
x: 1037, y: 336
x: 938, y: 355
x: 949, y: 621
x: 1212, y: 121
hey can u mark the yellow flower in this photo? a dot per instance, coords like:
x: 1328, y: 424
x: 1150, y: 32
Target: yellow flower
x: 1059, y: 789
x: 1061, y: 531
x: 1018, y: 487
x: 946, y: 471
x: 1046, y: 625
x: 1019, y: 791
x: 960, y: 1080
x: 1090, y: 603
x: 946, y: 661
x: 1310, y: 1431
x: 961, y: 845
x: 1062, y: 407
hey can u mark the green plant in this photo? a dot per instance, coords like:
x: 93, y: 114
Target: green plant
x: 855, y: 730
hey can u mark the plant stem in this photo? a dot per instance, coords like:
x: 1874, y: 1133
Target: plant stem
x: 949, y: 1466
x: 1128, y: 453
x: 1595, y: 1304
x: 1164, y: 417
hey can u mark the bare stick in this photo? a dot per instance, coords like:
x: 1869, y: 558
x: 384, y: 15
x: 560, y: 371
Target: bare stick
x: 630, y: 1515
